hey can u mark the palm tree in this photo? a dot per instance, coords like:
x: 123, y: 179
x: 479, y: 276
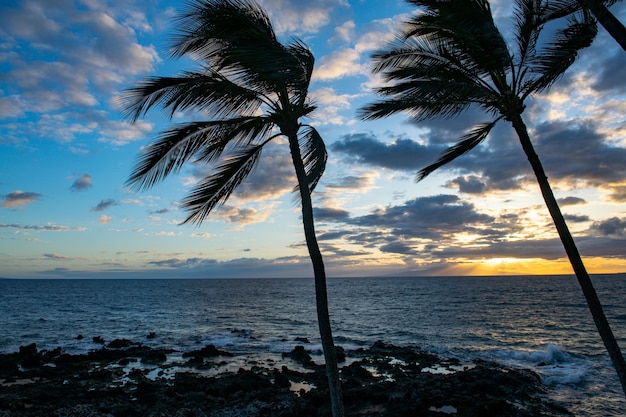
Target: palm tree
x: 599, y: 9
x: 252, y: 89
x: 607, y: 19
x: 451, y: 56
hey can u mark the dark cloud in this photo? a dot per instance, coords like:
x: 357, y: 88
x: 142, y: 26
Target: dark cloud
x: 105, y: 204
x: 403, y: 154
x: 573, y: 218
x: 397, y: 247
x: 571, y: 201
x: 184, y: 263
x: 470, y: 184
x: 426, y: 217
x: 570, y: 152
x: 19, y: 199
x: 350, y: 182
x: 161, y: 211
x: 338, y: 234
x: 613, y: 227
x: 330, y: 214
x: 55, y: 256
x: 610, y: 72
x: 81, y: 184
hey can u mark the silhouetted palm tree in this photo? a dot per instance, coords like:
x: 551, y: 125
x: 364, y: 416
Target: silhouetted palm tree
x: 251, y: 89
x: 599, y: 9
x: 607, y: 19
x: 451, y: 56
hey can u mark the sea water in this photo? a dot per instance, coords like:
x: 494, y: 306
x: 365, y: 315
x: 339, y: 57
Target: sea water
x: 540, y: 323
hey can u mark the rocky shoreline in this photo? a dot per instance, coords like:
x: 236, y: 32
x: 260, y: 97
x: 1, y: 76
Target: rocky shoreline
x: 125, y: 378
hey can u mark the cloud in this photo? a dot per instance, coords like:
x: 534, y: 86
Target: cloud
x: 273, y: 176
x: 329, y: 105
x: 330, y: 214
x: 105, y: 204
x: 81, y: 184
x: 613, y: 227
x: 425, y: 217
x: 571, y: 201
x: 72, y: 59
x: 300, y: 17
x: 400, y: 153
x: 343, y: 63
x: 344, y: 32
x: 46, y: 228
x: 55, y: 256
x: 19, y: 199
x: 574, y: 153
x: 104, y: 219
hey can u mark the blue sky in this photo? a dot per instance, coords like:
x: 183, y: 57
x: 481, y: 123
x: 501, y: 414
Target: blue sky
x: 66, y: 151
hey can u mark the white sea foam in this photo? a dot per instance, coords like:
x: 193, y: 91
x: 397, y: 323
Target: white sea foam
x: 553, y: 364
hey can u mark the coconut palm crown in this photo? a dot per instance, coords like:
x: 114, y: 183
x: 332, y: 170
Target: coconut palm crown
x: 249, y: 89
x: 450, y: 56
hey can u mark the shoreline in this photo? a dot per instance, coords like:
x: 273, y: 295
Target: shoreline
x: 126, y: 378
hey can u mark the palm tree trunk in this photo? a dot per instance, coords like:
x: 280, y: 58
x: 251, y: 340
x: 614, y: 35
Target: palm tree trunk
x: 589, y: 292
x: 321, y: 295
x: 607, y: 19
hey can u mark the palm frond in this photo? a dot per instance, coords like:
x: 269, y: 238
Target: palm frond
x: 465, y: 144
x: 215, y: 189
x: 466, y: 27
x: 300, y: 81
x: 236, y: 39
x: 424, y: 99
x: 201, y: 91
x: 557, y: 56
x: 203, y: 141
x: 314, y: 156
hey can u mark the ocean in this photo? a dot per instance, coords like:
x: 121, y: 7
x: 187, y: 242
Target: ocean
x: 536, y: 322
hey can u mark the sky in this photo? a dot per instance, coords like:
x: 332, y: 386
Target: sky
x: 66, y: 151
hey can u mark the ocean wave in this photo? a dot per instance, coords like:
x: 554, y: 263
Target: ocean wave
x: 553, y: 364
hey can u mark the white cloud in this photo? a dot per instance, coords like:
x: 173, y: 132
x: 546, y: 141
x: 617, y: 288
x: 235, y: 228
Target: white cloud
x: 344, y: 32
x: 342, y: 63
x: 329, y: 105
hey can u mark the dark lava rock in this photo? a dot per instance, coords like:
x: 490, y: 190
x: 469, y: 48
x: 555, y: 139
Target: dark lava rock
x: 154, y: 357
x: 208, y: 351
x: 120, y: 344
x: 341, y: 354
x: 98, y: 339
x: 302, y: 340
x: 300, y: 355
x: 374, y: 384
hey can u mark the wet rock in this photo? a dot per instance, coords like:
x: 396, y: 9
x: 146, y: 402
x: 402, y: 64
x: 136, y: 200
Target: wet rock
x: 208, y: 351
x: 96, y: 385
x: 120, y: 344
x: 154, y: 357
x: 302, y: 340
x: 98, y: 339
x: 341, y: 354
x: 300, y: 355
